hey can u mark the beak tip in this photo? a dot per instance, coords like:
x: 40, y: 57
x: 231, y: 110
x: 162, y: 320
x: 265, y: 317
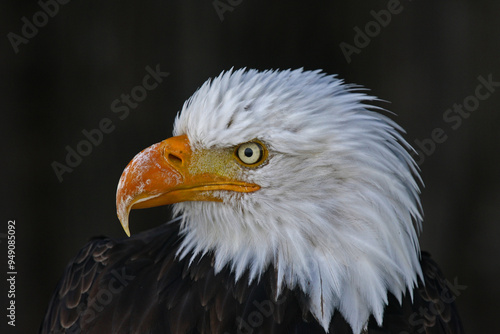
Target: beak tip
x: 125, y: 227
x: 123, y: 217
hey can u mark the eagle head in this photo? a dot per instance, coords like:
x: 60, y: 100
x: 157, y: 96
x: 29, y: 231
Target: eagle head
x: 291, y: 169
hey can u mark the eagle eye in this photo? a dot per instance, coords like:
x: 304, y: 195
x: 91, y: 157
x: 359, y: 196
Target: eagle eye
x: 251, y: 154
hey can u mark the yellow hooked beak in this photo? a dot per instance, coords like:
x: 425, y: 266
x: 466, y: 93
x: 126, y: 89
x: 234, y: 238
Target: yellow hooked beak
x: 164, y: 174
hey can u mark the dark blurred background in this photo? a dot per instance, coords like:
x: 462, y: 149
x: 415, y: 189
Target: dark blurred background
x: 425, y: 58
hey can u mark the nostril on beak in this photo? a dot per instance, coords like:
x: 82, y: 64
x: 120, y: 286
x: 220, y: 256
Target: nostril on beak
x: 174, y: 160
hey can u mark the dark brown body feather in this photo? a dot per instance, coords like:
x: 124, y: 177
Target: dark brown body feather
x: 136, y: 285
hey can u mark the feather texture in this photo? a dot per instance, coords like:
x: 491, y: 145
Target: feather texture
x: 338, y: 211
x: 134, y: 302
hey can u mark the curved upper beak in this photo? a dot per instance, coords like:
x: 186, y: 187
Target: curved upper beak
x: 161, y: 175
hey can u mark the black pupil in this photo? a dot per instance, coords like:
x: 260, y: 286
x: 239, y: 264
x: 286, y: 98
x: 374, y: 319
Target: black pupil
x: 248, y: 152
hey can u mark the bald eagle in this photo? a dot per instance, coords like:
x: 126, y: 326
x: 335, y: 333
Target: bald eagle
x: 297, y: 211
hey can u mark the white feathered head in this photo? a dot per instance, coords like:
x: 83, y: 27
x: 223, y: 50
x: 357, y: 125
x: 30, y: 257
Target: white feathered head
x: 291, y: 169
